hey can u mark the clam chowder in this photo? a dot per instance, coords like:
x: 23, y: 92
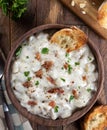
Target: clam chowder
x: 50, y: 82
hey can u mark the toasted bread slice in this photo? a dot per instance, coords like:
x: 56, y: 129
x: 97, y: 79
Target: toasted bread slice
x: 69, y: 38
x: 96, y: 119
x: 102, y: 15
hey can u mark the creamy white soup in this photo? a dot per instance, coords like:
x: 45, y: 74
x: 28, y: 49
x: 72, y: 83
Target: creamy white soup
x: 50, y: 82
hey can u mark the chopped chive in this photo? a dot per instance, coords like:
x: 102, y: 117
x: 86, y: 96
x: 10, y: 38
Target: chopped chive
x: 37, y: 83
x: 26, y: 73
x: 45, y: 50
x: 71, y: 98
x: 29, y: 78
x: 18, y: 51
x: 56, y: 109
x: 69, y: 69
x: 63, y: 79
x: 89, y: 89
x: 77, y: 63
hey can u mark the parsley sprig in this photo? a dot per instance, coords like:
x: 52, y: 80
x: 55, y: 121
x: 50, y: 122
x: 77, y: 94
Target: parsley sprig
x: 16, y: 7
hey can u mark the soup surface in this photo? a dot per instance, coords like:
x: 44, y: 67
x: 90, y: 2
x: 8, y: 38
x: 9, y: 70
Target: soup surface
x: 50, y: 82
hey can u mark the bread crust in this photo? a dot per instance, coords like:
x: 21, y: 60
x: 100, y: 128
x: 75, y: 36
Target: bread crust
x: 96, y: 119
x: 69, y: 38
x: 102, y: 15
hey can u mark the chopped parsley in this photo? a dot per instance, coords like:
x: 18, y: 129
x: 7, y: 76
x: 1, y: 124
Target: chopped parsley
x: 27, y: 57
x: 89, y: 89
x: 89, y: 58
x: 29, y: 78
x: 67, y: 54
x: 62, y: 68
x: 56, y: 109
x: 68, y: 60
x: 71, y: 98
x: 15, y: 7
x: 26, y: 73
x: 77, y: 63
x: 18, y: 51
x: 45, y: 50
x: 79, y: 87
x: 69, y: 69
x: 37, y: 83
x: 63, y: 79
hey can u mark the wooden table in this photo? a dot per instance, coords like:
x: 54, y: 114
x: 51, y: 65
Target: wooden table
x: 43, y: 12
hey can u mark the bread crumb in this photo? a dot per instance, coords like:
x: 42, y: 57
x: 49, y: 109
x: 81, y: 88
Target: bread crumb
x: 72, y: 3
x: 83, y: 12
x: 82, y: 5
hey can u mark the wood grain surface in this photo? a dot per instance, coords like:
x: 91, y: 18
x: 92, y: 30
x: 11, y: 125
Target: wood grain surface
x: 43, y: 12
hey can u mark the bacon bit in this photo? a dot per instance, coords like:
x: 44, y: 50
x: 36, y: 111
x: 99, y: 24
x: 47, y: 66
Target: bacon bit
x: 56, y: 90
x: 66, y: 65
x: 38, y: 56
x: 52, y: 104
x: 14, y: 88
x: 84, y: 77
x: 47, y: 65
x: 39, y: 73
x: 32, y: 103
x: 72, y: 82
x: 27, y: 84
x: 74, y: 92
x: 51, y: 80
x: 68, y: 50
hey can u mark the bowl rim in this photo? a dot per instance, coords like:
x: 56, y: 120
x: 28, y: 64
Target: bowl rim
x: 40, y: 120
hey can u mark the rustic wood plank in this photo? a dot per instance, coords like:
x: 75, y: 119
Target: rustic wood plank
x: 4, y: 33
x: 27, y: 22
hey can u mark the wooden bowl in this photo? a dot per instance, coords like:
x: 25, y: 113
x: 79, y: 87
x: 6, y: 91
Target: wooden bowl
x: 37, y: 119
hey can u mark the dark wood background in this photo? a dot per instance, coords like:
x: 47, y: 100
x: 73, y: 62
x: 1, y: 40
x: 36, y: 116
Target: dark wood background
x: 46, y: 12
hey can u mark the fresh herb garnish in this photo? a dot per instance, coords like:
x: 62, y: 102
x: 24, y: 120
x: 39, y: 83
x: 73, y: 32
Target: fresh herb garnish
x: 37, y: 83
x: 79, y: 87
x: 62, y: 68
x: 26, y: 73
x: 16, y: 7
x: 77, y: 63
x: 68, y: 60
x: 89, y: 58
x: 29, y: 78
x: 71, y: 98
x: 63, y: 79
x: 27, y: 57
x: 45, y: 50
x: 56, y: 109
x: 89, y: 89
x: 18, y: 51
x: 69, y: 69
x: 67, y: 54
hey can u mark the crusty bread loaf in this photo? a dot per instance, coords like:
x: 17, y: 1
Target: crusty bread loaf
x: 69, y: 38
x: 96, y: 119
x: 102, y: 15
